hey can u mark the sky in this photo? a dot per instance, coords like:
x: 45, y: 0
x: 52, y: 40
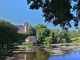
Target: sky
x: 17, y: 12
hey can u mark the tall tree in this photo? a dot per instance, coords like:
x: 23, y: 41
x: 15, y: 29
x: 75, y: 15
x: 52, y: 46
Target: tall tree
x: 39, y: 26
x: 48, y: 40
x: 63, y: 36
x: 54, y: 34
x: 58, y: 11
x: 41, y: 34
x: 8, y: 38
x: 31, y: 31
x: 78, y: 32
x: 72, y: 34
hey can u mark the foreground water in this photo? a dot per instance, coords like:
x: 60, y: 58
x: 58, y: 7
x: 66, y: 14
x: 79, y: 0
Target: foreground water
x: 45, y: 56
x: 74, y: 55
x: 42, y: 54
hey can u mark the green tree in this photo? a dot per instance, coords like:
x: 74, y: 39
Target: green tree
x: 39, y: 26
x: 62, y: 36
x: 72, y: 34
x: 8, y: 38
x: 41, y: 34
x: 78, y: 33
x: 48, y: 40
x: 54, y: 34
x: 58, y: 11
x: 21, y: 37
x: 31, y: 31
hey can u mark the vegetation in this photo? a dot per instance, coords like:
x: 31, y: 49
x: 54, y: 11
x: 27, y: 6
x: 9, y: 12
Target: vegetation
x: 21, y: 37
x: 31, y: 31
x: 28, y: 43
x: 58, y: 11
x: 41, y: 34
x: 52, y: 36
x: 8, y: 38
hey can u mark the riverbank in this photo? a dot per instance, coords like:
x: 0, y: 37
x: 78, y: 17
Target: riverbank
x: 55, y: 48
x: 61, y: 50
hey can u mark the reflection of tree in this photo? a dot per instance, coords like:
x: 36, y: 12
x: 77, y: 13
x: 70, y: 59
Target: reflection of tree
x: 30, y: 56
x: 42, y: 55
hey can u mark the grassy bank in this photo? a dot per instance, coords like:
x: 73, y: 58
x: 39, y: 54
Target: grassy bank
x: 74, y: 41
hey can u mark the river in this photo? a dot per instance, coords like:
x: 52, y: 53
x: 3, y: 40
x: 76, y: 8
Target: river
x: 39, y: 53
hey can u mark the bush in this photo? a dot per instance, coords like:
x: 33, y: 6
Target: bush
x: 25, y: 43
x: 28, y: 43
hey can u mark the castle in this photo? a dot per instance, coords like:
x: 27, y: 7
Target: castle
x: 24, y: 27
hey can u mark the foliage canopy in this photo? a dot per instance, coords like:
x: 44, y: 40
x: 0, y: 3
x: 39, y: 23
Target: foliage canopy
x: 58, y: 11
x: 8, y: 38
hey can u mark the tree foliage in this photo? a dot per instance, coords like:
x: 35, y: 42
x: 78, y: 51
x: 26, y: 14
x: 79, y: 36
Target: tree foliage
x: 58, y: 11
x: 78, y: 32
x: 72, y: 34
x: 39, y: 26
x: 31, y: 31
x: 41, y: 34
x: 57, y: 36
x: 8, y: 38
x: 48, y: 40
x: 21, y: 37
x: 63, y: 36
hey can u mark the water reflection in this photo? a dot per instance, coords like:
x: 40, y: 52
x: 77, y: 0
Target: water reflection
x: 75, y: 55
x: 40, y: 54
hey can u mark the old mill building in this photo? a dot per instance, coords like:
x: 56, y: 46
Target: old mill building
x: 24, y: 27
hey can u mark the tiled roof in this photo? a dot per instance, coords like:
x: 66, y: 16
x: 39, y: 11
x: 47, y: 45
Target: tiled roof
x: 30, y: 37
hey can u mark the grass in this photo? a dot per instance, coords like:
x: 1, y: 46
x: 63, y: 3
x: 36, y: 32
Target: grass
x: 75, y: 42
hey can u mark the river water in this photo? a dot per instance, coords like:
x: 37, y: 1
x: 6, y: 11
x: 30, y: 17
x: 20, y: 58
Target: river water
x: 42, y: 54
x: 74, y: 55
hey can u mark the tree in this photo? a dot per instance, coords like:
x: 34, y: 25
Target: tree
x: 62, y: 36
x: 8, y: 38
x: 78, y: 33
x: 39, y: 26
x: 41, y: 34
x: 48, y: 40
x: 21, y: 37
x: 54, y: 34
x: 31, y: 31
x: 58, y: 11
x: 72, y: 34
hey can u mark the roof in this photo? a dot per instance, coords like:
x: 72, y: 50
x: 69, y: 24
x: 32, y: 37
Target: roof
x: 30, y: 37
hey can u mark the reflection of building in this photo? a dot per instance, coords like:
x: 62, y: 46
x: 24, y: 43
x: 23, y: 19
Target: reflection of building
x: 20, y: 56
x: 31, y: 39
x: 24, y: 27
x: 39, y: 54
x: 25, y: 56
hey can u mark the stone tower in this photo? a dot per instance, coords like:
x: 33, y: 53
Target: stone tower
x: 26, y: 26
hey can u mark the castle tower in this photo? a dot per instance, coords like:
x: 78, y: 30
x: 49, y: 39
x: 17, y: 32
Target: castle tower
x: 26, y: 26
